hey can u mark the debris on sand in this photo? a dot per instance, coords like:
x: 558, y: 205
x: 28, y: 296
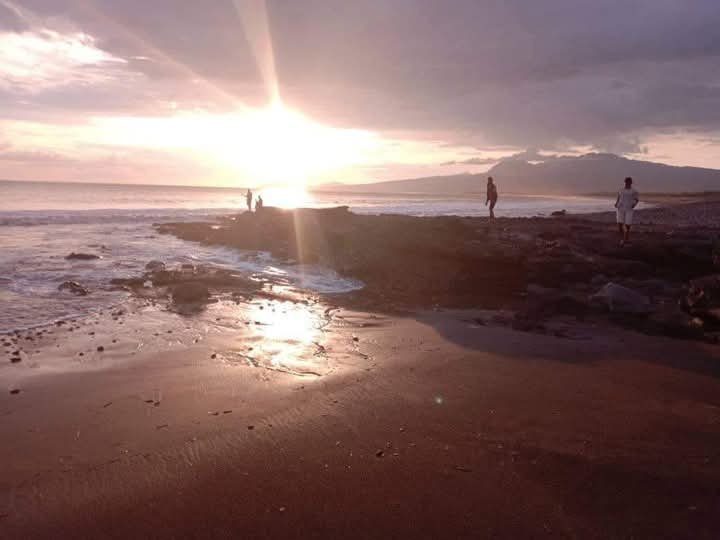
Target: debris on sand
x: 73, y: 287
x: 82, y: 256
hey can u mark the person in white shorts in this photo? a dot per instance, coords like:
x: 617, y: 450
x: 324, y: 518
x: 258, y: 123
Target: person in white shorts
x: 627, y: 200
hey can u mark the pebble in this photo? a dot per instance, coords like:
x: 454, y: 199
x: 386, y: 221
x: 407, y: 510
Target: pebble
x: 100, y: 348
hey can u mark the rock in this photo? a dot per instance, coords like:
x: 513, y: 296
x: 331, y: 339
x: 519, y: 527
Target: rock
x: 703, y: 293
x: 15, y: 359
x: 73, y: 287
x: 559, y: 213
x: 188, y: 293
x: 155, y: 266
x: 100, y: 348
x: 671, y: 321
x: 82, y: 256
x: 619, y: 299
x: 14, y: 391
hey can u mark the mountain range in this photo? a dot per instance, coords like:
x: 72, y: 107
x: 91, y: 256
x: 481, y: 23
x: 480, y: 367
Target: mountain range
x: 575, y: 175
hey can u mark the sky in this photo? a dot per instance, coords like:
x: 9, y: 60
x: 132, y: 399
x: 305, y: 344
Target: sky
x: 247, y: 92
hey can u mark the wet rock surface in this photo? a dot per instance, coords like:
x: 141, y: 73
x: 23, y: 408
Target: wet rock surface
x: 540, y: 268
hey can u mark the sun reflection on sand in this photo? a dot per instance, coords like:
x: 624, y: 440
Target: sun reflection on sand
x: 284, y: 336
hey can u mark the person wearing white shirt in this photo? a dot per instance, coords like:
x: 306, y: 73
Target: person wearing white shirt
x: 627, y: 200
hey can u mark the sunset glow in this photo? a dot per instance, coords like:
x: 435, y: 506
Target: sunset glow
x: 272, y: 145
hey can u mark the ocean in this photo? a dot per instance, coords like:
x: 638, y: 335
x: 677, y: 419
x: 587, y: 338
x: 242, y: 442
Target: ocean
x: 42, y: 222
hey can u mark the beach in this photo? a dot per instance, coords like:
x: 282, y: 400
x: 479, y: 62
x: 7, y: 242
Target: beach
x: 480, y: 404
x: 426, y: 425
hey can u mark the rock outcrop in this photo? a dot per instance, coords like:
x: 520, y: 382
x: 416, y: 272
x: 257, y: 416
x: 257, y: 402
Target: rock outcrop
x: 414, y: 262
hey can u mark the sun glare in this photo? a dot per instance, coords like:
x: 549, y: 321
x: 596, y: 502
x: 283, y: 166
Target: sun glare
x: 274, y: 145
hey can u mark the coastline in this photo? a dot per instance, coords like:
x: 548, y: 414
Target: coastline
x: 385, y: 412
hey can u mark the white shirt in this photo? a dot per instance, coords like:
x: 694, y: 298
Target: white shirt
x: 627, y: 199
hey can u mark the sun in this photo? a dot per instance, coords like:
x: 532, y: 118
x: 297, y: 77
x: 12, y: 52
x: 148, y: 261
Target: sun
x: 277, y: 145
x: 274, y: 145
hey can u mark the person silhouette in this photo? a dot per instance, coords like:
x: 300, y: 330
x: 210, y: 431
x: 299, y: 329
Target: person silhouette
x: 248, y: 200
x: 627, y: 200
x: 259, y: 204
x: 492, y: 196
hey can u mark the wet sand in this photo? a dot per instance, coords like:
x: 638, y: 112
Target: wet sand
x: 425, y: 426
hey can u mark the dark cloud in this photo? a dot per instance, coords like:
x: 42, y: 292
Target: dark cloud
x: 498, y: 72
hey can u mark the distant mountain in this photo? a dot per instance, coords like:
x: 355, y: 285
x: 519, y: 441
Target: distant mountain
x: 590, y: 173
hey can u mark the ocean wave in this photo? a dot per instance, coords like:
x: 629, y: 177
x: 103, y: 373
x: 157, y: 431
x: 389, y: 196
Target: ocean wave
x: 30, y: 218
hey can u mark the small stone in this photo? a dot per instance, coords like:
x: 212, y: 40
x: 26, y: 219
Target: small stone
x: 15, y: 391
x: 100, y: 348
x: 213, y: 356
x: 251, y: 427
x: 380, y: 453
x: 15, y: 359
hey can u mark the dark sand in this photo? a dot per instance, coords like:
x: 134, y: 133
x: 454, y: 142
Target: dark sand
x: 422, y: 427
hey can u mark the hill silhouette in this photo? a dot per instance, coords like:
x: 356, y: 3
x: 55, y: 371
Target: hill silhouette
x: 589, y: 173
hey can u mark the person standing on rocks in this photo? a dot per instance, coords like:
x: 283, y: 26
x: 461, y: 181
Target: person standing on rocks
x: 248, y: 200
x: 627, y: 199
x: 492, y: 196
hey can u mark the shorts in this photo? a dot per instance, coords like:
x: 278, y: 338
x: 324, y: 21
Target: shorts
x: 625, y: 216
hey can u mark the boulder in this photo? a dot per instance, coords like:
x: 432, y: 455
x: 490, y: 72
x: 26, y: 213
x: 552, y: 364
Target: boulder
x: 73, y: 287
x: 82, y: 256
x: 155, y: 266
x: 619, y: 299
x: 190, y: 293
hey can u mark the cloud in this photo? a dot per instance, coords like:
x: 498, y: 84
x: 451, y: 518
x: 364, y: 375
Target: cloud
x: 32, y: 156
x: 472, y: 161
x: 606, y: 76
x: 40, y: 59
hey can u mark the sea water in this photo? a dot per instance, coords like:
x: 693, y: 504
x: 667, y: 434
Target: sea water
x: 41, y: 223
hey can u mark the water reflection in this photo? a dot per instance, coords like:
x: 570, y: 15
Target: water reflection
x: 284, y: 336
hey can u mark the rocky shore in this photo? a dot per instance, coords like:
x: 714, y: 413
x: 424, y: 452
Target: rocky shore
x: 537, y: 270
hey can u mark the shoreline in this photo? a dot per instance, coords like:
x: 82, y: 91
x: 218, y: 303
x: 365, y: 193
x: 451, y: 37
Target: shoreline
x: 252, y: 411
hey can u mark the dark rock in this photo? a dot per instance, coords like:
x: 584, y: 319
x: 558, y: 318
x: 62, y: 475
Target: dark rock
x: 73, y: 287
x: 671, y: 321
x: 155, y: 266
x: 559, y: 213
x: 190, y: 293
x: 619, y: 299
x: 15, y: 391
x: 100, y: 348
x: 82, y: 256
x: 15, y: 359
x: 703, y: 293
